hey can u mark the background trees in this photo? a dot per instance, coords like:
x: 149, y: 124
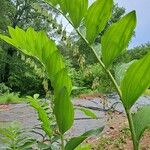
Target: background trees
x: 21, y: 73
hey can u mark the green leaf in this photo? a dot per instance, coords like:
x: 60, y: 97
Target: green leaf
x: 43, y: 116
x: 28, y: 145
x: 74, y: 142
x: 121, y: 70
x: 38, y: 45
x: 141, y: 121
x: 43, y: 146
x: 136, y: 81
x: 87, y: 112
x: 76, y: 9
x: 6, y: 133
x: 63, y: 110
x: 62, y: 80
x: 36, y: 96
x: 117, y: 38
x: 84, y: 147
x: 53, y: 2
x: 97, y: 17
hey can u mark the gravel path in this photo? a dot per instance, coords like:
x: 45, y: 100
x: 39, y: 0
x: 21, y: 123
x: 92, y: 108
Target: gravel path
x: 28, y: 117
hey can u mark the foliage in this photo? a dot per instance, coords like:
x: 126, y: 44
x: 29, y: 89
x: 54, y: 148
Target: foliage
x: 114, y: 42
x: 132, y: 54
x: 39, y: 16
x: 42, y: 114
x: 14, y: 138
x: 74, y: 142
x: 50, y: 57
x: 91, y: 78
x: 24, y: 78
x: 130, y: 86
x: 8, y: 98
x: 4, y: 88
x: 110, y: 39
x: 93, y: 25
x: 110, y: 50
x: 14, y: 72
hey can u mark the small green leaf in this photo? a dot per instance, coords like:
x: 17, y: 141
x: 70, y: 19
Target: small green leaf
x: 43, y: 116
x: 136, y: 81
x: 87, y: 112
x: 141, y: 120
x: 74, y: 142
x: 97, y: 17
x: 36, y: 96
x: 117, y: 38
x: 63, y: 110
x: 28, y: 145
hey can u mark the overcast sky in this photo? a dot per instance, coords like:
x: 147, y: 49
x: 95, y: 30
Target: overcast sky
x: 142, y: 8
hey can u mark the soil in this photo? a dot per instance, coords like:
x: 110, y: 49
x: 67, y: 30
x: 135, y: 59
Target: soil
x: 117, y: 136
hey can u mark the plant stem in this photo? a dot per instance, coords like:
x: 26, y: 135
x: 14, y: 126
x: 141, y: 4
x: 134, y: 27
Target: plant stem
x: 129, y: 116
x: 62, y: 142
x: 93, y: 50
x: 131, y: 125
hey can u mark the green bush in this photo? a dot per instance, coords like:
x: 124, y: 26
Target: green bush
x: 7, y: 98
x: 91, y: 78
x: 4, y: 88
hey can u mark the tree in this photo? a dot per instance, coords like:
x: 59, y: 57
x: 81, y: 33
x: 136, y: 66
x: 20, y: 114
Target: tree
x: 23, y: 13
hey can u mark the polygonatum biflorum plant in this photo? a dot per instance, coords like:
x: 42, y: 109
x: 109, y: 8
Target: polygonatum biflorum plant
x: 38, y: 45
x: 135, y: 77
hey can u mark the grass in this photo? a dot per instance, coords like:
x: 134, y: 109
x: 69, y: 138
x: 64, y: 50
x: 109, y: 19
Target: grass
x: 8, y: 98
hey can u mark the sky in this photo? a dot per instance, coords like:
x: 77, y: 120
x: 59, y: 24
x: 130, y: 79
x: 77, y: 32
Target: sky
x: 142, y: 8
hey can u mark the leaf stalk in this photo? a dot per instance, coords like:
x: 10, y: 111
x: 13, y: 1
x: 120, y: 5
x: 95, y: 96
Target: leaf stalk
x: 129, y: 116
x: 131, y: 125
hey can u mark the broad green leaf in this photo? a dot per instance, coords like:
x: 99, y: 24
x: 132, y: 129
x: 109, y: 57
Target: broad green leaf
x: 43, y: 116
x: 76, y: 10
x: 117, y: 38
x: 141, y: 120
x: 63, y: 6
x: 84, y: 147
x: 38, y: 45
x: 62, y: 80
x: 62, y: 108
x: 97, y: 17
x: 74, y: 142
x: 121, y: 70
x: 53, y: 2
x: 87, y: 112
x: 136, y: 81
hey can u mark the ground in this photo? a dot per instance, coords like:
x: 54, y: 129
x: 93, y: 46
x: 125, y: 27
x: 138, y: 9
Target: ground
x: 117, y: 136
